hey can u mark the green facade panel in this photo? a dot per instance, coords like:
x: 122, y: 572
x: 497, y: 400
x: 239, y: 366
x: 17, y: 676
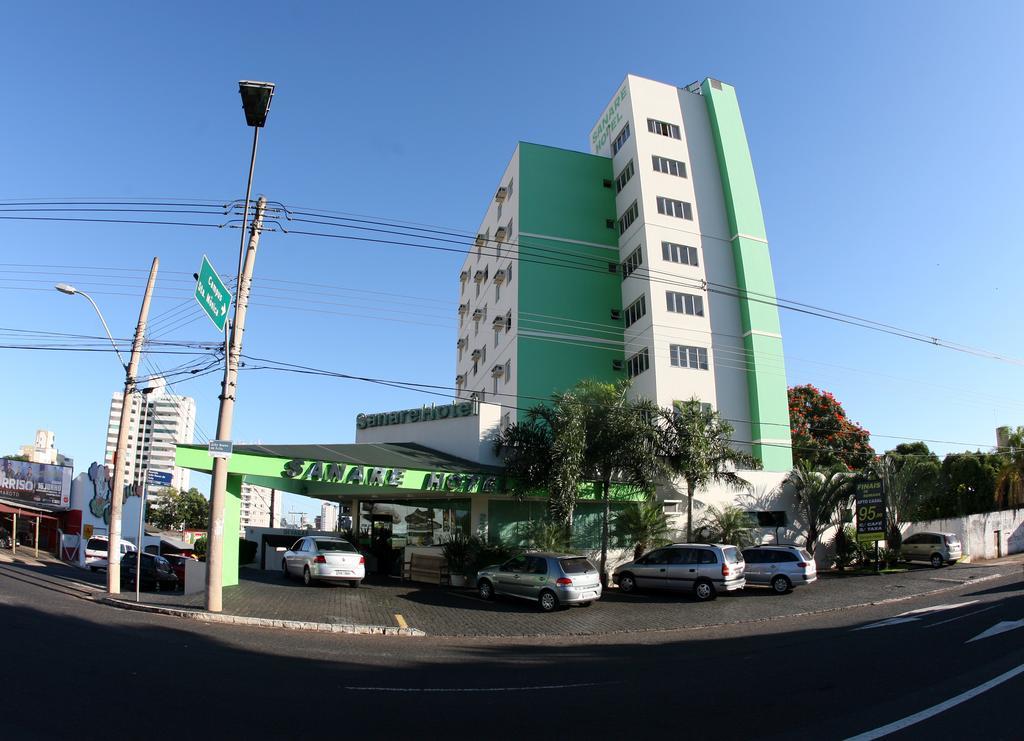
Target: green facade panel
x: 565, y: 288
x: 766, y: 380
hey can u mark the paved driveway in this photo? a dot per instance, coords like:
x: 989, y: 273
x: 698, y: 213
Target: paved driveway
x: 441, y: 611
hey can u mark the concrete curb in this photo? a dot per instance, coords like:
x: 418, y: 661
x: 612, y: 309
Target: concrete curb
x: 212, y: 617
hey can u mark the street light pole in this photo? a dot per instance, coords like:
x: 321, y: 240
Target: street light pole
x: 121, y: 452
x: 256, y: 98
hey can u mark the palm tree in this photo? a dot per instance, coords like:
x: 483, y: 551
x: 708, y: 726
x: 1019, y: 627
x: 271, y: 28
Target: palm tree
x: 1010, y: 480
x: 819, y: 497
x: 728, y: 525
x: 902, y: 484
x: 644, y: 525
x: 696, y: 445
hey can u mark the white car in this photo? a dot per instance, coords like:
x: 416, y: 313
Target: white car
x: 935, y: 548
x: 323, y: 559
x: 96, y: 551
x: 781, y: 567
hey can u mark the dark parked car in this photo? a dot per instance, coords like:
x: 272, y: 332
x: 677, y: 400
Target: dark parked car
x: 156, y: 572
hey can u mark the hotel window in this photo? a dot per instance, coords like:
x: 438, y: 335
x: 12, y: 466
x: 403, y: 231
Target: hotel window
x: 685, y: 356
x: 509, y: 189
x: 672, y: 207
x: 636, y: 310
x: 638, y: 363
x: 508, y: 321
x: 681, y: 253
x: 628, y: 218
x: 497, y: 337
x: 631, y: 263
x: 499, y: 212
x: 508, y: 231
x: 624, y: 176
x: 497, y: 292
x: 662, y: 128
x: 495, y: 390
x: 677, y: 408
x: 508, y: 372
x: 620, y: 140
x: 508, y: 275
x: 685, y: 303
x: 669, y: 167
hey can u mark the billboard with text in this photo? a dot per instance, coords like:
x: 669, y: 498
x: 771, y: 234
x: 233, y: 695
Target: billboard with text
x: 39, y: 484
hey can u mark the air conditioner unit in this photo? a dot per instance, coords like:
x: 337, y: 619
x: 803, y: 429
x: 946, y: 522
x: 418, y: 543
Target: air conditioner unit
x: 481, y: 240
x: 461, y: 343
x: 616, y: 314
x: 478, y: 276
x: 501, y: 195
x: 499, y: 236
x: 498, y: 371
x: 464, y: 276
x: 499, y: 277
x: 475, y: 355
x: 498, y: 323
x: 478, y: 314
x: 459, y: 379
x: 617, y: 365
x: 463, y: 308
x: 476, y: 396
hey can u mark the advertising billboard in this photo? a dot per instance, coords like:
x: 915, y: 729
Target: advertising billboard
x: 35, y: 483
x: 871, y: 520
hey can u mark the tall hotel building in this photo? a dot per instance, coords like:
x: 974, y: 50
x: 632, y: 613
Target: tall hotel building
x: 646, y: 258
x: 159, y: 421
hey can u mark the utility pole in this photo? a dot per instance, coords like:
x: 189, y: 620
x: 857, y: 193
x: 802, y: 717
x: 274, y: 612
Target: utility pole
x: 218, y: 492
x: 121, y: 454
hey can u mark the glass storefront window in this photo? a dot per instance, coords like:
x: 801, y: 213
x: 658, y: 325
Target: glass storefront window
x: 511, y: 523
x: 417, y: 522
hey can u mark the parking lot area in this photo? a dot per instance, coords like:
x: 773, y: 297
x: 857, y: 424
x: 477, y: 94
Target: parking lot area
x: 444, y: 611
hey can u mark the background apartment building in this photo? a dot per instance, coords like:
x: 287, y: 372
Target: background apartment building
x: 647, y: 258
x: 260, y: 507
x: 158, y: 422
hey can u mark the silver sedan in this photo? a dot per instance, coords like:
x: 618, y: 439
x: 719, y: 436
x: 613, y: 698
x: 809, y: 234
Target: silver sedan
x: 324, y: 559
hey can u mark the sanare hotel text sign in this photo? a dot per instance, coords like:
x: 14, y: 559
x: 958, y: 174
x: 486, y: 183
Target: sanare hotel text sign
x: 341, y: 473
x: 424, y: 414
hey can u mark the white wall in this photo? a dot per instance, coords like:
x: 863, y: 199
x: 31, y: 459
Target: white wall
x: 978, y: 532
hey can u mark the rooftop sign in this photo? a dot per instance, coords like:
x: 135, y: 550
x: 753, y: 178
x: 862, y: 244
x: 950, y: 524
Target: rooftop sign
x: 424, y: 414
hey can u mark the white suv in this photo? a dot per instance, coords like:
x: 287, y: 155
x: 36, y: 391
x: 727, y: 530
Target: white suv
x: 780, y: 567
x: 935, y: 548
x: 96, y: 551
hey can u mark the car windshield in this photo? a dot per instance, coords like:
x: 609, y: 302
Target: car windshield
x: 732, y: 555
x: 578, y: 565
x: 335, y: 545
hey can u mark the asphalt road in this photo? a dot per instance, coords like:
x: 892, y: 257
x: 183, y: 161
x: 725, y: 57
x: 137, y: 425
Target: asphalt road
x: 83, y: 670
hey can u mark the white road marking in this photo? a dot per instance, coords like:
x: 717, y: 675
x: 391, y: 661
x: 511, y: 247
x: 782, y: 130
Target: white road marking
x: 911, y: 616
x: 998, y: 628
x: 910, y: 720
x: 961, y: 617
x: 480, y: 689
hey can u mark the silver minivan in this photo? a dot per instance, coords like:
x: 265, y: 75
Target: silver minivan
x: 935, y: 548
x: 551, y: 579
x: 704, y: 569
x: 780, y: 567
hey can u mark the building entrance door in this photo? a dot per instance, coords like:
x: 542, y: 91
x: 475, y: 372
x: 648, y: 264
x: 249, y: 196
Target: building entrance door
x: 381, y: 527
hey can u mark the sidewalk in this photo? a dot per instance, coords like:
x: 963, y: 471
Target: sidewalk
x: 392, y: 606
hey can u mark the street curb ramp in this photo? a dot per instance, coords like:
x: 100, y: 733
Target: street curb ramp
x: 213, y: 617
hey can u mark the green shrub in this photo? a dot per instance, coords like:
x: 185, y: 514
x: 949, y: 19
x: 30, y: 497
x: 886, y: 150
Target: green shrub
x: 247, y: 551
x: 200, y: 548
x: 482, y: 554
x: 457, y: 552
x: 846, y: 550
x: 549, y: 536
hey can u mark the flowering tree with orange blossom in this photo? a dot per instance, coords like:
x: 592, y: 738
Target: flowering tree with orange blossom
x: 822, y: 433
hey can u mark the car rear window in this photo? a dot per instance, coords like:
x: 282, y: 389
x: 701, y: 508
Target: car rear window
x: 952, y: 540
x: 95, y: 544
x: 578, y: 565
x: 805, y: 555
x: 732, y: 555
x: 335, y: 545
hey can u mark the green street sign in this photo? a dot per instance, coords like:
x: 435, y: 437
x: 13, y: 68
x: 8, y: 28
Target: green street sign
x: 213, y: 295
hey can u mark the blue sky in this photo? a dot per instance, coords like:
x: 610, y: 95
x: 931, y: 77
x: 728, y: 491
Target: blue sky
x: 885, y: 138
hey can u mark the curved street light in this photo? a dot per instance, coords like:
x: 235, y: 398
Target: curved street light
x: 72, y: 291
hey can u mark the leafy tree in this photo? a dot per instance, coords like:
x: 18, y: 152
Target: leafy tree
x: 1010, y: 479
x: 822, y: 433
x: 729, y: 525
x: 696, y: 444
x: 643, y: 524
x: 967, y: 485
x: 591, y: 434
x: 549, y: 536
x: 170, y: 509
x: 820, y: 498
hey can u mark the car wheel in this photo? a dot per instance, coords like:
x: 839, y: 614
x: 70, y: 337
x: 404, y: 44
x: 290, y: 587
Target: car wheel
x: 627, y: 583
x: 307, y: 578
x: 284, y: 569
x: 485, y: 590
x: 704, y: 591
x: 936, y: 560
x: 355, y: 584
x: 548, y: 601
x: 781, y: 585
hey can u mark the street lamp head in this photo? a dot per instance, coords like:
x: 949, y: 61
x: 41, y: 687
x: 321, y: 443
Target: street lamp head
x: 256, y: 101
x: 65, y: 288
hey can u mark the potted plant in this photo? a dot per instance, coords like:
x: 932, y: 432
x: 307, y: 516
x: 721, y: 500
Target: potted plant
x: 456, y: 553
